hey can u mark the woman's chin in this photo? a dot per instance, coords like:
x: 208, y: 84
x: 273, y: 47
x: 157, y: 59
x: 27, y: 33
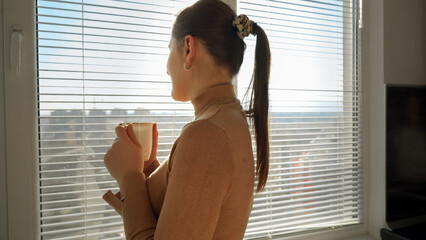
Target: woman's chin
x: 179, y: 98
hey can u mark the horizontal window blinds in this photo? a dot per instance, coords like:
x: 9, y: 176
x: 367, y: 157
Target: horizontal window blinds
x: 315, y: 174
x: 100, y: 62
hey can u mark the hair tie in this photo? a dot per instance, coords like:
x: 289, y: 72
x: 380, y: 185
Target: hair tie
x: 244, y: 26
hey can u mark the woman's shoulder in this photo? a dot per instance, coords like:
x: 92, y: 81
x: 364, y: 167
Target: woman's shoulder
x: 203, y: 130
x: 221, y: 122
x: 203, y: 144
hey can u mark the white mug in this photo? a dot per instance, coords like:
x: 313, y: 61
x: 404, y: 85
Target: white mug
x: 143, y: 132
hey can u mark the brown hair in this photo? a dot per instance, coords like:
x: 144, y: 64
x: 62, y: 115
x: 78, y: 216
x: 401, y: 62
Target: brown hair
x: 211, y: 22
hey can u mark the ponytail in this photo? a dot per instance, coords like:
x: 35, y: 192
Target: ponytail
x: 225, y: 43
x: 259, y: 105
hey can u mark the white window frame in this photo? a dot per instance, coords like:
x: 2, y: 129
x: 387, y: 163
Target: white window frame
x: 19, y: 189
x: 3, y: 189
x: 21, y: 124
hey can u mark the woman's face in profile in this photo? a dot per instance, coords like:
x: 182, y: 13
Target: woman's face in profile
x: 180, y: 81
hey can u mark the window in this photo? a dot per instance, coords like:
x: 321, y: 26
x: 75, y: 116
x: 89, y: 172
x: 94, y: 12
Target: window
x: 99, y: 63
x: 102, y: 62
x: 315, y: 170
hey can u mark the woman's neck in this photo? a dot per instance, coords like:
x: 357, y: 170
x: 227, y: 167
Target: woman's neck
x: 208, y: 77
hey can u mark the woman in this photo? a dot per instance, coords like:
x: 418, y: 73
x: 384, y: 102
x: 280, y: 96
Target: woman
x: 204, y: 190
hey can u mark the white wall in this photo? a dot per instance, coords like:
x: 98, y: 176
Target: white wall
x: 394, y: 52
x: 404, y: 42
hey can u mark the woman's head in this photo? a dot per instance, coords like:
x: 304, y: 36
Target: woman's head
x: 203, y: 39
x: 210, y: 23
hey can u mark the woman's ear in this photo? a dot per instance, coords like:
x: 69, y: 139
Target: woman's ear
x: 190, y: 50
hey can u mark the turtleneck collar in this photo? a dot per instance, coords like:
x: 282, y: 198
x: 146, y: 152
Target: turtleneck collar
x: 215, y: 93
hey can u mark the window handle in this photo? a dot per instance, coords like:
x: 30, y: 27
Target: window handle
x: 16, y: 50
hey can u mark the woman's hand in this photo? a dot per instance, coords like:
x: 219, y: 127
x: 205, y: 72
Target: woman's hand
x: 125, y: 155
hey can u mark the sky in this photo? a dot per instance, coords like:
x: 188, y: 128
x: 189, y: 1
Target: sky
x: 115, y: 54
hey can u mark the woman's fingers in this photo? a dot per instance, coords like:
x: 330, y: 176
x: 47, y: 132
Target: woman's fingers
x: 154, y: 137
x: 121, y: 133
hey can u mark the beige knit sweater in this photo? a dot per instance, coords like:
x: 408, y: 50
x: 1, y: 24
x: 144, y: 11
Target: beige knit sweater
x: 204, y: 190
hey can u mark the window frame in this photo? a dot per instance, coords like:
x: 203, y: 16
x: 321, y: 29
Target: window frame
x: 18, y: 120
x: 3, y: 189
x: 21, y: 120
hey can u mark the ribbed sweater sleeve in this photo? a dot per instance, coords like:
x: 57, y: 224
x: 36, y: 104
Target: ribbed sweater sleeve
x: 200, y: 180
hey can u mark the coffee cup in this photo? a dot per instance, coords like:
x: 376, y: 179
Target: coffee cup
x: 143, y: 132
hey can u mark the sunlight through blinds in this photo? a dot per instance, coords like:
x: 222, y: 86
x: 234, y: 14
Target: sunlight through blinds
x: 102, y: 62
x: 315, y: 175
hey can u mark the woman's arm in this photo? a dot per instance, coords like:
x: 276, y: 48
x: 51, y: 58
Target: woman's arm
x: 114, y: 200
x: 150, y: 167
x: 201, y: 177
